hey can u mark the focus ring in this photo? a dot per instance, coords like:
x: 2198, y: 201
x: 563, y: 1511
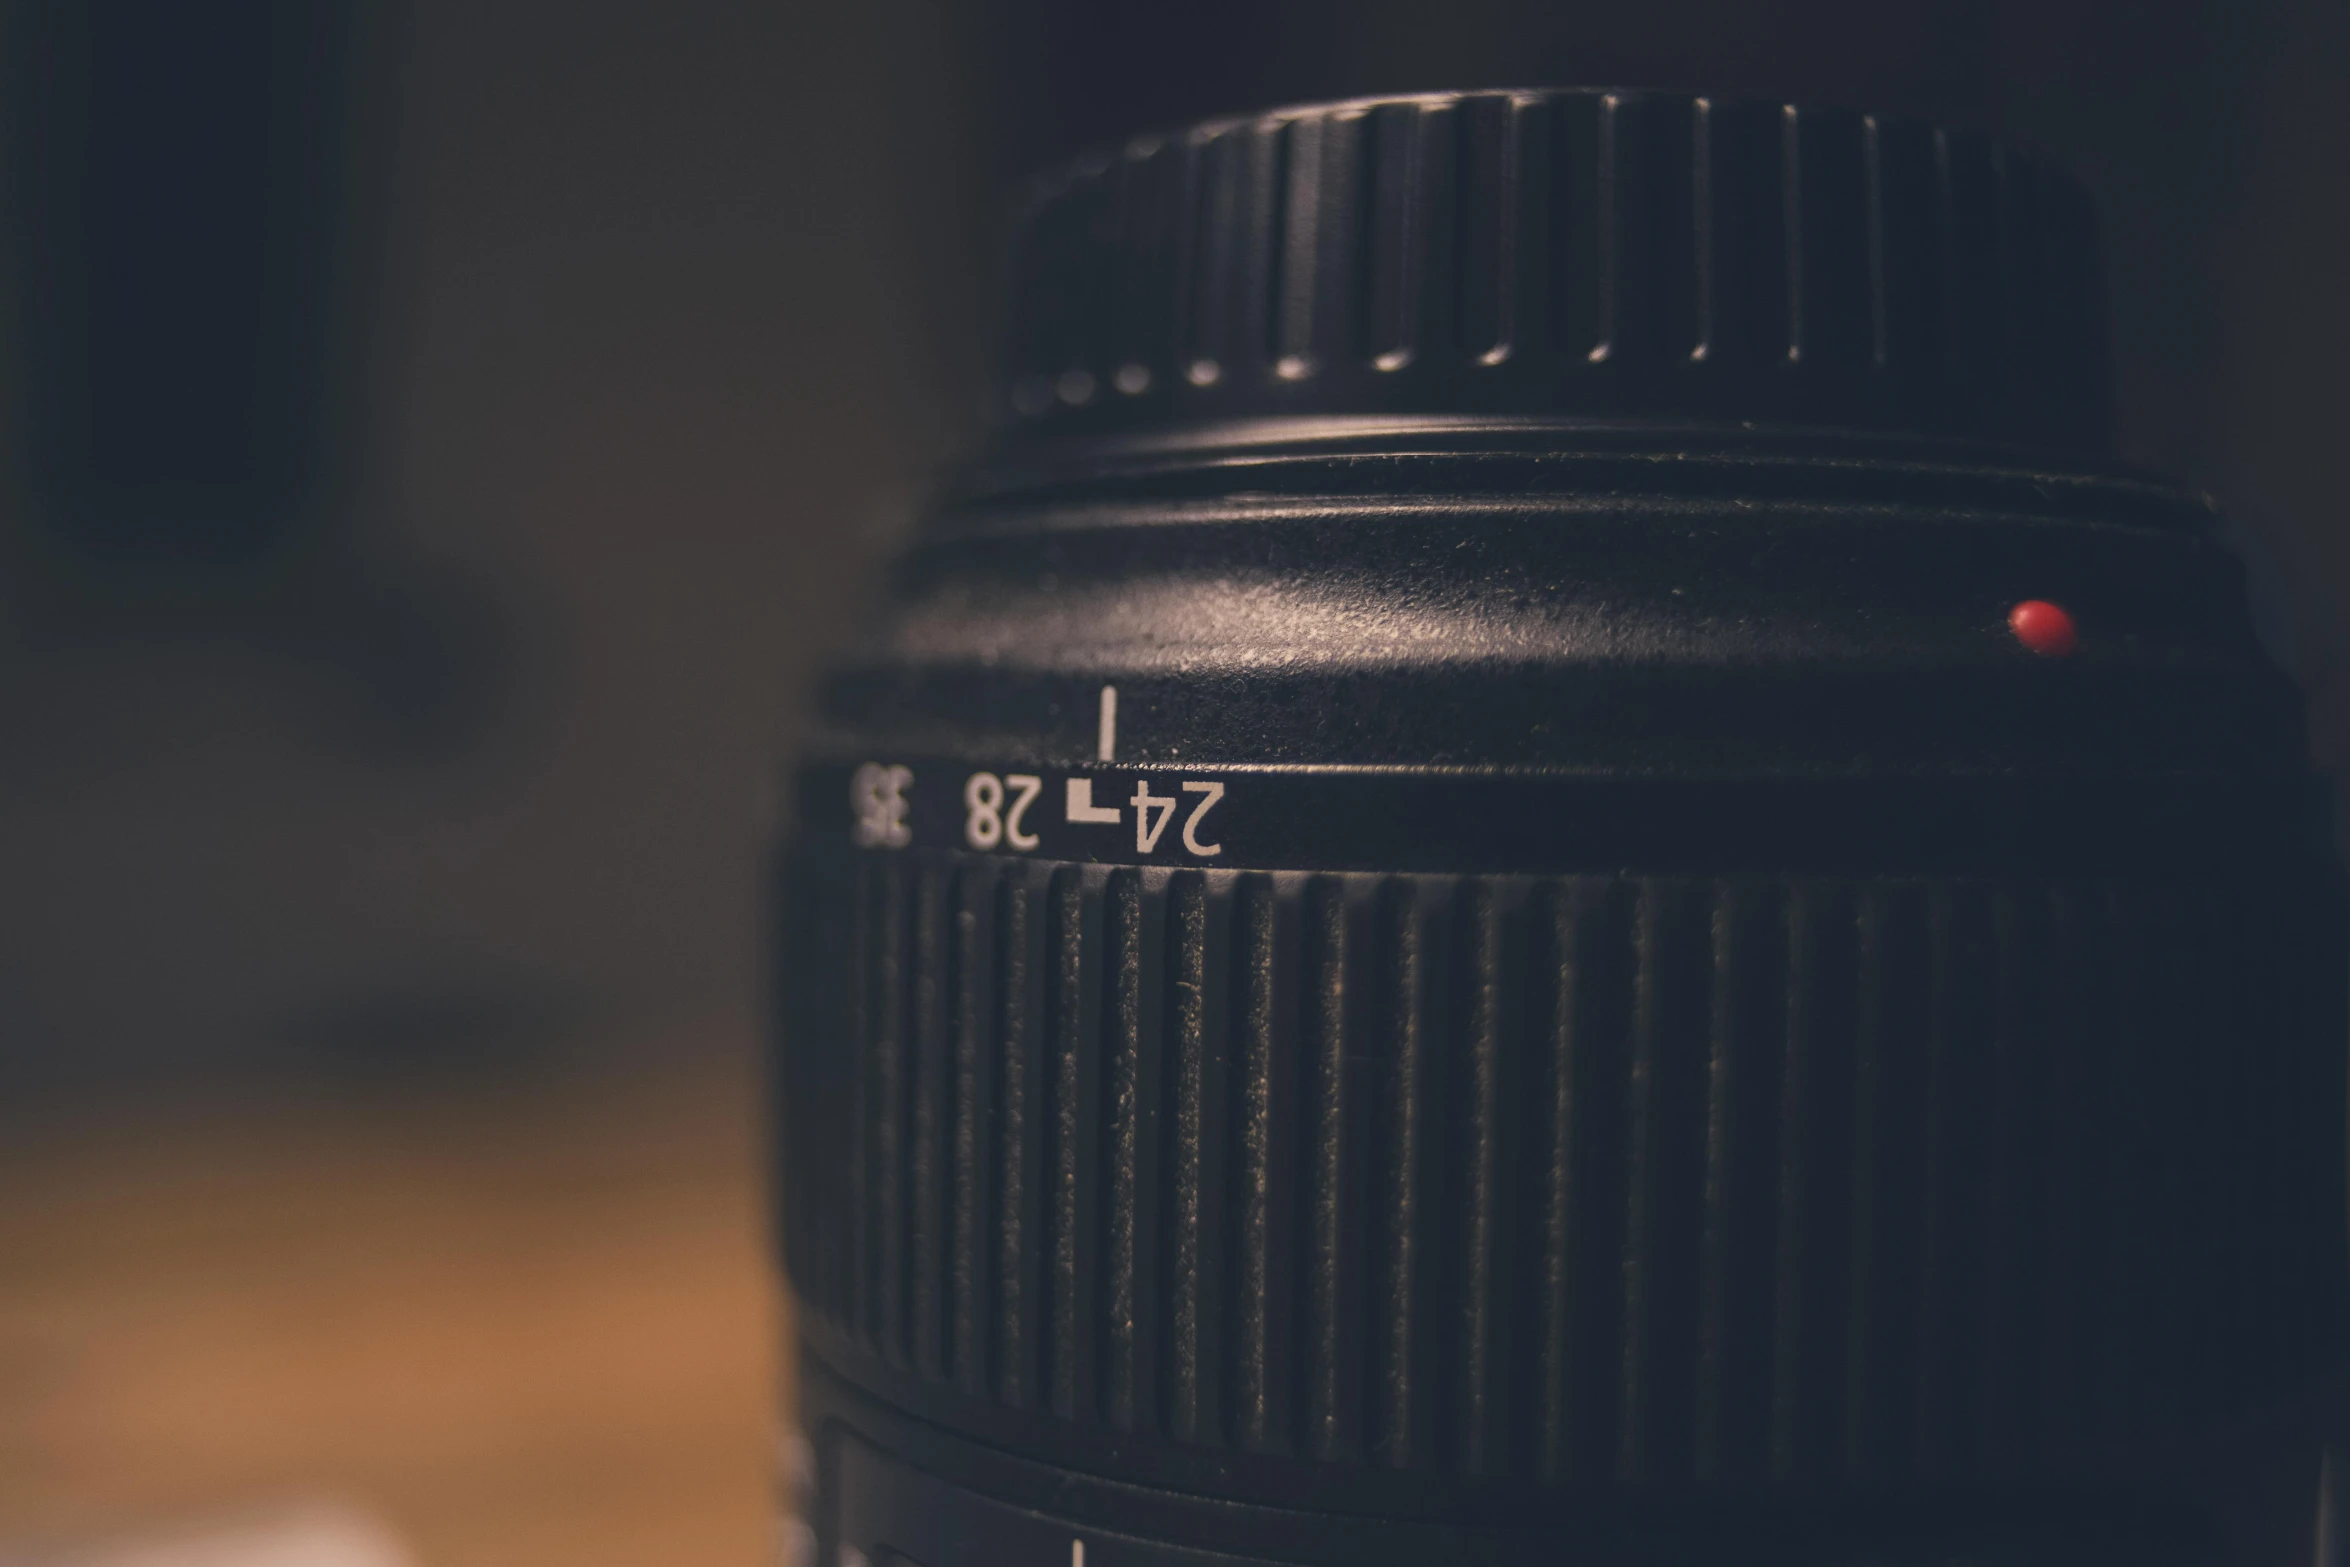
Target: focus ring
x: 1742, y: 1185
x: 1608, y: 255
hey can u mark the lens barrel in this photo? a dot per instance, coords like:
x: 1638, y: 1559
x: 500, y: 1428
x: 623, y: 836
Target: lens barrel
x: 1544, y: 867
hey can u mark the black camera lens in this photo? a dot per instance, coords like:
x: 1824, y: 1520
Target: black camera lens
x: 1546, y: 867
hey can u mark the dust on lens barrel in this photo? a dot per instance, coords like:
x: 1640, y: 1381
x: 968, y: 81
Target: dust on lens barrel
x: 1546, y: 865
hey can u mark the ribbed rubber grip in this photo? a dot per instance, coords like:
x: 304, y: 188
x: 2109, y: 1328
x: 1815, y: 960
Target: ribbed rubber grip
x: 1609, y: 255
x: 1771, y: 1184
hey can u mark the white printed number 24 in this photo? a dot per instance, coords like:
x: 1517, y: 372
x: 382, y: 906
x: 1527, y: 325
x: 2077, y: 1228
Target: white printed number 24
x: 1152, y: 813
x: 988, y: 820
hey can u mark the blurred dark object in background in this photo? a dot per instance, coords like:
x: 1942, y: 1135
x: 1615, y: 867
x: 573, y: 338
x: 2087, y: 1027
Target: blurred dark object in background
x: 197, y: 225
x: 183, y: 198
x: 438, y: 439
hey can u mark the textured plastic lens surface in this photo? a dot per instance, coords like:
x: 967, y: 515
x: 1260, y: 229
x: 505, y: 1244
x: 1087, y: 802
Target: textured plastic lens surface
x: 1544, y: 868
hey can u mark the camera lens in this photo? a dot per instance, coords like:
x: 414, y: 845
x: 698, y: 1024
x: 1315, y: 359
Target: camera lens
x: 1545, y: 866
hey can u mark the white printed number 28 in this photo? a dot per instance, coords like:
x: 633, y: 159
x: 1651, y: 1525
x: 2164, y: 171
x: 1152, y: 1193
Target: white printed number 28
x: 987, y: 820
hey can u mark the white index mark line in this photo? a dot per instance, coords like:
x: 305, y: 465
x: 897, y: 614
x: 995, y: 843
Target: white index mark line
x: 1076, y: 1553
x: 1106, y: 749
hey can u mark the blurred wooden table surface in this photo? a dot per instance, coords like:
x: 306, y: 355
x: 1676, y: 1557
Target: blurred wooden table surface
x: 521, y: 1321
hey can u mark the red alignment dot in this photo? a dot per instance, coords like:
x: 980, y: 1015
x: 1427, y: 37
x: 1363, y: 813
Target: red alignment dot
x: 2045, y: 628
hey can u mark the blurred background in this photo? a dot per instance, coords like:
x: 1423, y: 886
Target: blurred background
x: 436, y: 442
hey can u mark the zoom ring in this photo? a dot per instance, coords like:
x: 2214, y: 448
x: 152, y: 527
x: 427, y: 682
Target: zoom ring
x: 1761, y: 1184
